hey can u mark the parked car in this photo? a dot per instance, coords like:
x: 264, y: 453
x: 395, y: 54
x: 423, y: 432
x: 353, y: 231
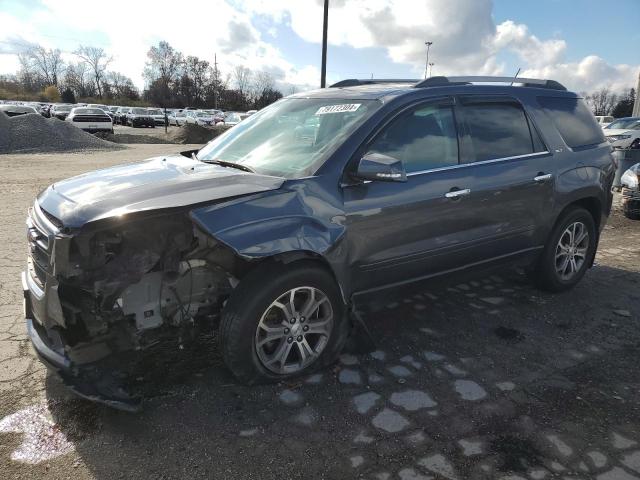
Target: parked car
x: 15, y: 110
x: 140, y: 117
x: 60, y: 111
x: 624, y: 133
x: 275, y: 239
x: 621, y: 123
x: 177, y: 118
x: 251, y: 112
x: 604, y: 120
x: 90, y: 120
x: 158, y: 116
x: 120, y: 117
x: 203, y: 119
x: 232, y: 118
x: 631, y: 192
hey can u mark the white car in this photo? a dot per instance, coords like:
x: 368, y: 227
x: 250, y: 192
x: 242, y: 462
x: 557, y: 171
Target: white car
x: 177, y: 118
x: 158, y: 115
x: 90, y: 120
x: 604, y: 120
x: 624, y: 133
x: 232, y: 118
x: 203, y: 119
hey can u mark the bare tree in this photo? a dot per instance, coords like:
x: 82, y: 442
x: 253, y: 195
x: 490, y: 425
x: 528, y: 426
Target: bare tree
x: 242, y: 79
x: 602, y: 101
x: 77, y: 79
x: 162, y: 71
x: 40, y: 67
x: 97, y: 60
x: 262, y: 81
x: 47, y: 63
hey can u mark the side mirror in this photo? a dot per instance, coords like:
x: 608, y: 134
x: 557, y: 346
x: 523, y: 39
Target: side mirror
x: 377, y: 166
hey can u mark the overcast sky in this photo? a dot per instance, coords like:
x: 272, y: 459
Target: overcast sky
x: 585, y: 44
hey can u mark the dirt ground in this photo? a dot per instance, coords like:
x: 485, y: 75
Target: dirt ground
x: 485, y: 379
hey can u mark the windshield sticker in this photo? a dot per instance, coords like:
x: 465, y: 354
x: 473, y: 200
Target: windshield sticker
x: 342, y: 108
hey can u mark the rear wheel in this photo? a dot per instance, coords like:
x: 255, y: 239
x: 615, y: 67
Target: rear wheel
x: 569, y: 251
x: 281, y: 322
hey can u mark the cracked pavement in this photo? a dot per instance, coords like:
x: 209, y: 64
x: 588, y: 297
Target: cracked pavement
x: 484, y: 379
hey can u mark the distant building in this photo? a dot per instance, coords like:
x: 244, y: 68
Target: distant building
x: 636, y: 106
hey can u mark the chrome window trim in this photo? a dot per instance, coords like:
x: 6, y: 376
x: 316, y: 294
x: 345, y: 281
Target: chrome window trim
x: 484, y: 162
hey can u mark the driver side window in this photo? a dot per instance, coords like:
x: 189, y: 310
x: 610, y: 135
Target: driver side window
x: 423, y: 138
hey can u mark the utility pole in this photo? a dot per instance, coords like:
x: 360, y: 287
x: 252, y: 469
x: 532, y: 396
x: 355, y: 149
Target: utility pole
x: 216, y: 83
x: 325, y: 25
x: 426, y: 65
x: 431, y: 70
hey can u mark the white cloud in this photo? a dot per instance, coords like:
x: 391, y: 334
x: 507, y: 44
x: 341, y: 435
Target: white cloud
x: 203, y: 28
x: 466, y: 39
x: 465, y: 36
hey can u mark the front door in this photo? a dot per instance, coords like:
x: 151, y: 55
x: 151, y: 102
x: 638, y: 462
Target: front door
x: 403, y: 230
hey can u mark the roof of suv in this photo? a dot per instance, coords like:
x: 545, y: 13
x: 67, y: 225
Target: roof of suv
x: 379, y: 88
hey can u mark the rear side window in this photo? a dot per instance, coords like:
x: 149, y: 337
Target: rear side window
x: 574, y: 121
x: 497, y: 129
x: 423, y: 138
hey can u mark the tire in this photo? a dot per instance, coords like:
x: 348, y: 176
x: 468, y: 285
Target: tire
x: 251, y: 303
x: 547, y: 275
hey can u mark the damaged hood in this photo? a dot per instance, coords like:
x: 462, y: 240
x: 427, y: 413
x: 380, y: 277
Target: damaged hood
x: 158, y: 183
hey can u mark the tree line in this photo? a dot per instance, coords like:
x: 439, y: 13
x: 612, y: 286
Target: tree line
x: 606, y: 102
x: 172, y: 80
x: 176, y: 80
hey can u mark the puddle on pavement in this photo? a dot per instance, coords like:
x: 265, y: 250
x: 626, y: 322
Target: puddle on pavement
x: 518, y: 454
x: 42, y: 438
x: 506, y: 333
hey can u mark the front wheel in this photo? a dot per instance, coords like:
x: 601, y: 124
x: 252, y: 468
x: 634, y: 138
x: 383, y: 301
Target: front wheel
x: 569, y: 251
x: 282, y: 322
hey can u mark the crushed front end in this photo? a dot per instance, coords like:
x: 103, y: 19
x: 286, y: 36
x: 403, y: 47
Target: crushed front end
x: 97, y: 296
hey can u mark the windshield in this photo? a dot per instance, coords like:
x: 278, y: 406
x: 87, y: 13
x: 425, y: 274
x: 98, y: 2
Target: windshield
x: 623, y: 123
x: 232, y: 117
x: 155, y: 112
x: 203, y: 114
x: 292, y: 137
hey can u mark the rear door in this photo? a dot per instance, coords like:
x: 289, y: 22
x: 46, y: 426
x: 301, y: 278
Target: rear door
x: 510, y: 173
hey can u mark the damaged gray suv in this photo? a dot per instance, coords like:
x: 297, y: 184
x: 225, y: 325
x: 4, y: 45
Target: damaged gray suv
x: 271, y: 231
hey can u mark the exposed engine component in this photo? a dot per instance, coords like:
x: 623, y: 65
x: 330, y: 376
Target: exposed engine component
x: 174, y: 296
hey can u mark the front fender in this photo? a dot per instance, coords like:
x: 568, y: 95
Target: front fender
x: 301, y: 219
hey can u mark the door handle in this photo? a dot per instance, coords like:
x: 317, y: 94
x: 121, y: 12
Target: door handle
x: 542, y: 178
x: 457, y: 193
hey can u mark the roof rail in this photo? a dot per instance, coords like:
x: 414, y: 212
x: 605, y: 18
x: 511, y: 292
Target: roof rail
x: 527, y: 82
x: 353, y: 82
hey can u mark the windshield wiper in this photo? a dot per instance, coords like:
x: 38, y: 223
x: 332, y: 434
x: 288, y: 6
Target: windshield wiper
x: 224, y: 163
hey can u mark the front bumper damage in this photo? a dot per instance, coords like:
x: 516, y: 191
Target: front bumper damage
x: 90, y: 381
x: 98, y: 299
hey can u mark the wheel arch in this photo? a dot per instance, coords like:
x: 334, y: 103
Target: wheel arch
x: 591, y: 204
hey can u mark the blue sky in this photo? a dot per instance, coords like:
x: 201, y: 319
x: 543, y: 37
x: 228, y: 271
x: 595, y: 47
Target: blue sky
x: 584, y: 43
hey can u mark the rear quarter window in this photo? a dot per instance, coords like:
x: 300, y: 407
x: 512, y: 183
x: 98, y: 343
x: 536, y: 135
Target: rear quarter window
x: 574, y: 121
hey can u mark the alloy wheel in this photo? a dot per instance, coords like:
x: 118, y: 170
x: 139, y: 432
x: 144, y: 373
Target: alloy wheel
x: 294, y: 330
x: 571, y: 251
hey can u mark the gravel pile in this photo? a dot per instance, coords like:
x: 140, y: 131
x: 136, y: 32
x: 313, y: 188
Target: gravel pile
x: 32, y: 133
x: 195, y: 134
x: 133, y: 138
